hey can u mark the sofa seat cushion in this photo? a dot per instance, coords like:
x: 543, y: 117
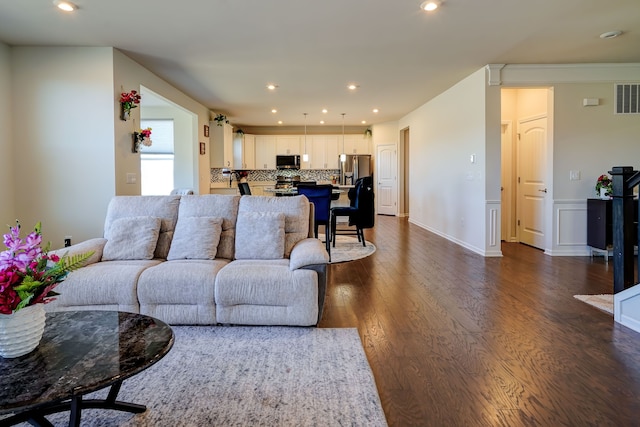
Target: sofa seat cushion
x: 105, y: 283
x: 180, y: 291
x: 266, y: 292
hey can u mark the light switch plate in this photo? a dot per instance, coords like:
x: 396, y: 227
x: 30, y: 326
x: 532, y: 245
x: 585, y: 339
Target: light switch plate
x: 574, y: 175
x: 131, y: 178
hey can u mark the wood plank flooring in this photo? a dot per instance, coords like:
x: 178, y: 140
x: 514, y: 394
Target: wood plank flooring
x: 456, y: 339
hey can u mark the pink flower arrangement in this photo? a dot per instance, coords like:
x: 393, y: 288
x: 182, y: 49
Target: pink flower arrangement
x: 28, y: 274
x: 144, y: 137
x: 604, y: 182
x: 130, y: 100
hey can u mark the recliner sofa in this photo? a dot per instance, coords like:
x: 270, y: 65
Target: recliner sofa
x: 202, y: 260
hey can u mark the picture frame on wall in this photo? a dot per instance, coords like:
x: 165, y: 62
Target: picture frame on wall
x: 202, y: 148
x: 206, y: 130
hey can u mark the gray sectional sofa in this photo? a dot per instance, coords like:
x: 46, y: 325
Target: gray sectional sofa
x: 202, y: 260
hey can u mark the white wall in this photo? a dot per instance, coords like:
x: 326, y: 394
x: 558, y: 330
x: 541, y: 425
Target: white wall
x: 63, y: 153
x: 447, y: 190
x: 460, y: 201
x: 70, y: 147
x: 129, y: 75
x: 7, y: 193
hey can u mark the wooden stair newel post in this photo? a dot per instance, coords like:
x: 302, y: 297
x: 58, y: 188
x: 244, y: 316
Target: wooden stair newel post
x: 623, y: 237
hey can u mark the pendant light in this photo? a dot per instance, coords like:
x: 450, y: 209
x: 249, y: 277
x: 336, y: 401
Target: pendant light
x: 343, y: 156
x: 305, y: 156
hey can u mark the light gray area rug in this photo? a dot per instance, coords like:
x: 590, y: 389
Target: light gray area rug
x: 251, y: 376
x: 603, y: 301
x: 349, y: 249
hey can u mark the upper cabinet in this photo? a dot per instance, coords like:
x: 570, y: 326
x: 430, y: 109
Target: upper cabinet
x: 323, y: 152
x: 221, y: 143
x: 356, y: 144
x: 265, y: 150
x: 288, y: 144
x: 244, y: 151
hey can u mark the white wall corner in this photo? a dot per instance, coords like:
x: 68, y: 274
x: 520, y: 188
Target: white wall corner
x: 494, y: 74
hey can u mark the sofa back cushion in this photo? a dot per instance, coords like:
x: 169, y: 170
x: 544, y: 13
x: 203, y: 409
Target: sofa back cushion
x: 163, y: 207
x: 260, y: 235
x: 296, y: 216
x: 196, y: 237
x: 132, y: 238
x: 220, y: 206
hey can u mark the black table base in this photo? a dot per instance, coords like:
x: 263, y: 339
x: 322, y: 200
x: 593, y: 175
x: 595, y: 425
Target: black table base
x: 36, y: 417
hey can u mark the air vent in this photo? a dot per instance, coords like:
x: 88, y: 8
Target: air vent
x: 627, y: 98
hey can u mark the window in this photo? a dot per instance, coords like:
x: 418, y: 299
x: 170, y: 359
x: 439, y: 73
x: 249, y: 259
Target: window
x: 156, y: 162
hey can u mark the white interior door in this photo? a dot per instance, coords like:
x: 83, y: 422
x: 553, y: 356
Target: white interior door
x: 386, y: 172
x: 532, y: 189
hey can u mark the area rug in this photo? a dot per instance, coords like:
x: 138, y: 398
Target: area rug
x: 349, y: 249
x: 251, y: 376
x: 603, y: 301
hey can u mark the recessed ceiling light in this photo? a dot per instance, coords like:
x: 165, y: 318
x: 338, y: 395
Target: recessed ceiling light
x: 610, y: 34
x: 279, y: 122
x: 325, y: 111
x: 67, y: 6
x: 352, y: 86
x: 429, y: 5
x: 321, y: 122
x: 364, y: 122
x: 375, y: 110
x: 274, y: 111
x: 271, y: 86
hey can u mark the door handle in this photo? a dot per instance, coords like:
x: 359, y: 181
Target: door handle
x: 544, y: 191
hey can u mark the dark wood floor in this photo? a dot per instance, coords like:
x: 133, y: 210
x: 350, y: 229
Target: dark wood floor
x: 456, y: 339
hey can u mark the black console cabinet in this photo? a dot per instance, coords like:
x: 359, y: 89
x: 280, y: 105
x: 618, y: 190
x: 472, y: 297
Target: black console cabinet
x: 599, y: 223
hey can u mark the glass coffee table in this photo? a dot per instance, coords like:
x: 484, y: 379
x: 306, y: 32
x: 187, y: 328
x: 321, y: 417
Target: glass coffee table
x: 80, y: 352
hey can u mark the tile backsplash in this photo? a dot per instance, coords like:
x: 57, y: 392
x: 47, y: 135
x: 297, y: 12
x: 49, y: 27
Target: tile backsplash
x: 272, y: 174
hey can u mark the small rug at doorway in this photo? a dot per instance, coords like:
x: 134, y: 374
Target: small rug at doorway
x: 603, y: 301
x: 349, y: 249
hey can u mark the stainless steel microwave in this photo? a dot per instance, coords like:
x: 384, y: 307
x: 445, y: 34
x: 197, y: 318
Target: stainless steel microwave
x: 288, y: 161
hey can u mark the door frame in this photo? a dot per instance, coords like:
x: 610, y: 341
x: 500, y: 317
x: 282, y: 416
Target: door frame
x: 550, y: 226
x: 403, y: 178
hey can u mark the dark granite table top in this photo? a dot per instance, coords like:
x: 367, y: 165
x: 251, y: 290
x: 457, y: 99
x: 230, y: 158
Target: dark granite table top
x: 80, y: 352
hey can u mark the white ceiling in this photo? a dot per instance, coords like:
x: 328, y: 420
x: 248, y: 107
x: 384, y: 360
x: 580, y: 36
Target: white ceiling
x: 224, y: 52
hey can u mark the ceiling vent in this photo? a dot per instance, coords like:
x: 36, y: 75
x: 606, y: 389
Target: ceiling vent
x: 627, y: 98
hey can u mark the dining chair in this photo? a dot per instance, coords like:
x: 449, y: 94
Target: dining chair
x: 361, y: 211
x: 244, y: 188
x: 320, y: 196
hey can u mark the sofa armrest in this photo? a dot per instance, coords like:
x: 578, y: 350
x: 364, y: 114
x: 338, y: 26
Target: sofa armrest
x: 308, y: 252
x: 96, y: 245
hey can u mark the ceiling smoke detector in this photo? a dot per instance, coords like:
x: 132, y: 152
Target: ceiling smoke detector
x: 610, y: 34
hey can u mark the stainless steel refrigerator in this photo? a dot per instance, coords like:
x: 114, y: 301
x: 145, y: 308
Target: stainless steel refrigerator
x: 356, y: 166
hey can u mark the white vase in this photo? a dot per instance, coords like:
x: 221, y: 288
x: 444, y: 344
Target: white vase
x: 21, y: 332
x: 603, y: 193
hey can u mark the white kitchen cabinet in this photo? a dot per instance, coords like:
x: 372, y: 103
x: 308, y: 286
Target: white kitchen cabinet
x: 323, y: 152
x: 221, y: 143
x: 287, y: 144
x: 244, y: 152
x: 265, y: 151
x: 356, y: 144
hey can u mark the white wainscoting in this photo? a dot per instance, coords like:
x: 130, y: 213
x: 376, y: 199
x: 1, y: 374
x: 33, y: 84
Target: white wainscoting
x: 569, y: 228
x: 492, y: 214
